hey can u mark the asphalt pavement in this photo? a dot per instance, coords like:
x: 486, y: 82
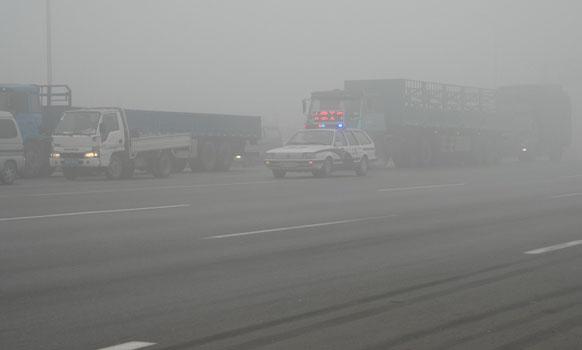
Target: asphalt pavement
x: 446, y: 258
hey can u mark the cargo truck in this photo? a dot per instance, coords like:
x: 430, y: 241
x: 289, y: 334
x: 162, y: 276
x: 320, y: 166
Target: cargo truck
x: 36, y: 109
x: 418, y: 123
x: 116, y: 142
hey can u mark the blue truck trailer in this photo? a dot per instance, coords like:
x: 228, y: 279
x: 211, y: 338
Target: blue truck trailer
x: 36, y: 109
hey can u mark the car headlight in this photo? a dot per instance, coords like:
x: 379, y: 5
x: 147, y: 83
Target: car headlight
x: 309, y: 155
x: 55, y: 155
x: 91, y: 155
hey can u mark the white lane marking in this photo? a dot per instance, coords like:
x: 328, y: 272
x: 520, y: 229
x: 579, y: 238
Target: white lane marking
x: 137, y: 189
x: 132, y: 345
x: 566, y: 195
x: 299, y: 227
x: 17, y: 218
x: 414, y: 188
x: 570, y: 176
x: 554, y: 247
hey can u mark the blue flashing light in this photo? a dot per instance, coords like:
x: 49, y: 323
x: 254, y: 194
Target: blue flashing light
x: 340, y: 125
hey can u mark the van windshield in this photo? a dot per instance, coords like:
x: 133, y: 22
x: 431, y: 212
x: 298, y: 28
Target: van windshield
x: 78, y: 123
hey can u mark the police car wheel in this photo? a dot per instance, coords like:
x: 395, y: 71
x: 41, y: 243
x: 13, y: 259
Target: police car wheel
x: 278, y: 173
x: 326, y: 169
x: 362, y: 168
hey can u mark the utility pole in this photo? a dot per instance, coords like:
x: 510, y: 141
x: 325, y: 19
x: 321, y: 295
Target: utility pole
x: 49, y: 59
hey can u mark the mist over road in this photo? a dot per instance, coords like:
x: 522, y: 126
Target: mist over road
x: 480, y: 258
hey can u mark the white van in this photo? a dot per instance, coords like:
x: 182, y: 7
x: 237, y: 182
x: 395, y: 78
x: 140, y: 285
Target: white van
x: 11, y: 149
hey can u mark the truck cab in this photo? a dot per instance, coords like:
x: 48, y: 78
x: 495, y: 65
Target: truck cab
x: 98, y: 140
x: 88, y: 138
x: 11, y: 149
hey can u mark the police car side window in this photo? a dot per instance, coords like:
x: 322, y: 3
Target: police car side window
x: 351, y: 138
x: 340, y: 139
x: 362, y: 138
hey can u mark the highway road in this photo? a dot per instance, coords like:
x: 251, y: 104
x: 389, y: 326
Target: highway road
x: 461, y: 258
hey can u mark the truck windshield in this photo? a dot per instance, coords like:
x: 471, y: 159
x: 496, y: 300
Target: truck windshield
x: 312, y: 137
x: 78, y: 123
x: 326, y: 104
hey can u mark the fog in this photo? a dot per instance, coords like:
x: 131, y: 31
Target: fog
x: 220, y: 192
x: 262, y: 57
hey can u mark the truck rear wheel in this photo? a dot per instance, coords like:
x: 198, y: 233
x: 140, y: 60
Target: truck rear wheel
x: 162, y: 166
x: 115, y: 169
x: 224, y: 157
x: 208, y: 156
x: 179, y: 164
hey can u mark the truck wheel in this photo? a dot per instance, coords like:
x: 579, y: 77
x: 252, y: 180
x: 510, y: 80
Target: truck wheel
x: 278, y: 173
x: 8, y: 174
x: 179, y: 164
x: 362, y: 168
x: 208, y: 156
x: 556, y: 154
x: 115, y: 169
x: 326, y: 169
x: 70, y: 173
x: 195, y: 164
x: 163, y: 165
x: 33, y: 161
x: 224, y: 157
x: 128, y: 169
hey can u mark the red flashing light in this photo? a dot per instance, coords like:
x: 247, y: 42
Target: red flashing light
x: 323, y: 113
x: 340, y: 114
x: 332, y: 118
x: 324, y: 118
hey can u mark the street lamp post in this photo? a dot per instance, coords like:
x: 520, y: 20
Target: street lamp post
x: 49, y: 61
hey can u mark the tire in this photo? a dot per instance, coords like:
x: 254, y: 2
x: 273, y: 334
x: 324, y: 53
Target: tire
x: 362, y: 169
x: 70, y: 173
x: 195, y: 164
x: 128, y: 169
x: 326, y: 169
x: 33, y: 161
x: 556, y: 154
x: 115, y: 169
x: 224, y: 157
x: 9, y: 173
x: 162, y: 166
x: 208, y: 156
x: 278, y: 173
x: 178, y: 165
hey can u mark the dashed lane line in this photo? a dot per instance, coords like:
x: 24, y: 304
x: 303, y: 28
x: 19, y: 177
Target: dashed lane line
x: 136, y: 189
x: 132, y: 345
x: 554, y: 247
x: 298, y: 227
x: 92, y: 212
x: 416, y: 188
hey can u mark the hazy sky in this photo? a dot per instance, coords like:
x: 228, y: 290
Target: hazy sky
x: 264, y: 56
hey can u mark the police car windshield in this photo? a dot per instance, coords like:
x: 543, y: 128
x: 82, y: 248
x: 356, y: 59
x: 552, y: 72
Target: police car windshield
x: 312, y: 137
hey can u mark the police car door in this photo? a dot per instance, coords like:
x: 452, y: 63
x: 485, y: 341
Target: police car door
x: 366, y: 144
x: 341, y: 146
x: 354, y: 147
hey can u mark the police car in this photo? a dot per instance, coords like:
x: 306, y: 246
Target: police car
x: 322, y: 151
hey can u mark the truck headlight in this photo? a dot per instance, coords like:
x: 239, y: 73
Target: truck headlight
x: 55, y: 155
x: 91, y: 155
